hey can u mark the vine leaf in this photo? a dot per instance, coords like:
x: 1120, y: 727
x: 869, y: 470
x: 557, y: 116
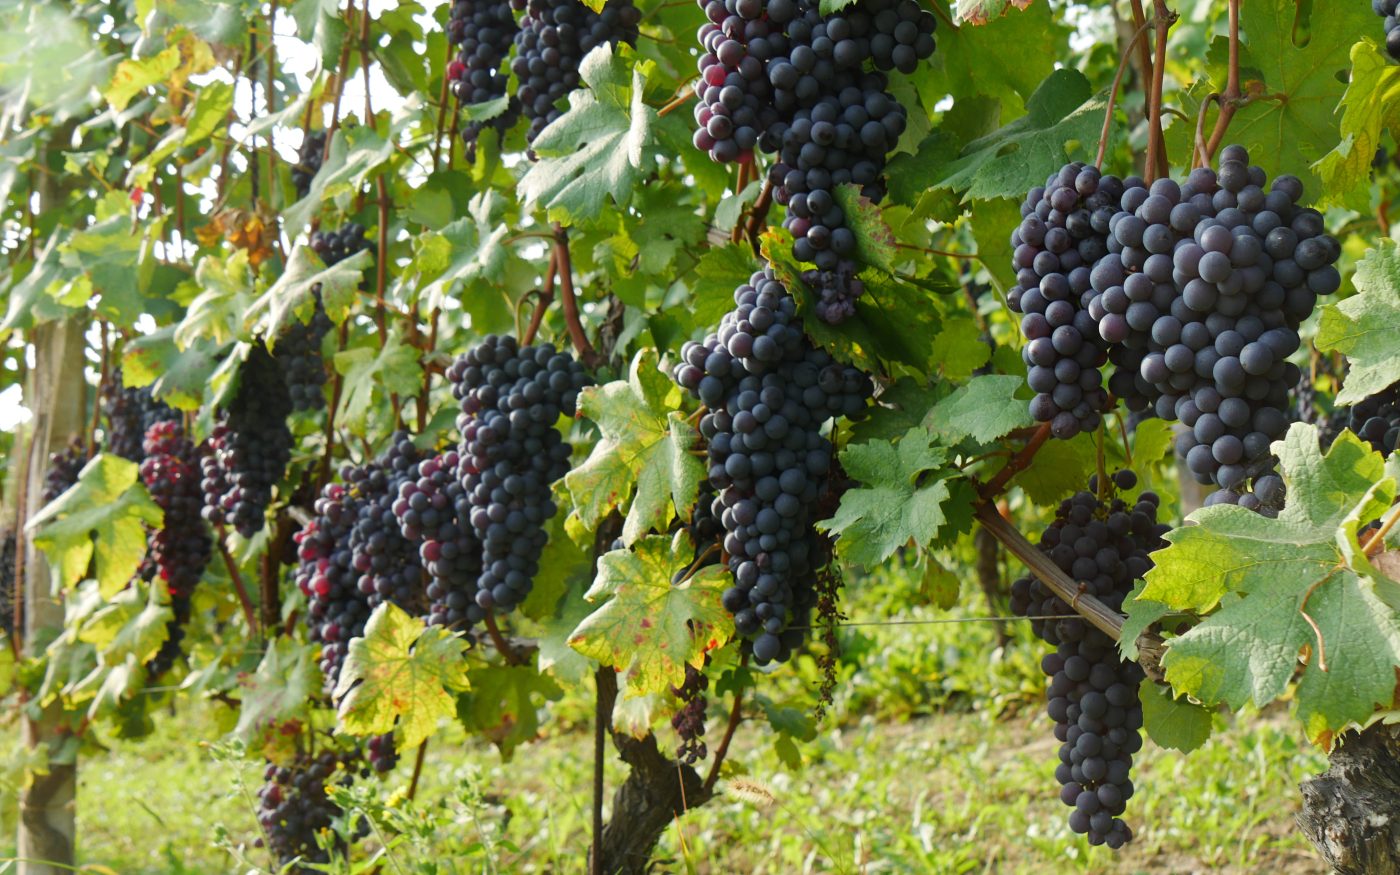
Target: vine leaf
x: 897, y: 504
x: 644, y: 444
x: 104, y: 514
x: 1370, y: 106
x: 395, y: 368
x: 649, y: 625
x: 1366, y: 327
x: 401, y: 671
x: 176, y: 376
x: 292, y: 297
x: 504, y: 703
x: 598, y: 148
x: 1269, y: 581
x: 1063, y: 118
x: 983, y: 11
x: 983, y: 409
x: 1293, y: 83
x: 276, y: 692
x: 1173, y: 722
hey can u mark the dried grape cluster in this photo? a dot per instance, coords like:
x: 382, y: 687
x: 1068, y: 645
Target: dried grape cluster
x: 249, y: 447
x: 689, y: 721
x: 780, y: 76
x: 179, y: 550
x: 1093, y: 693
x: 1195, y: 292
x: 770, y: 394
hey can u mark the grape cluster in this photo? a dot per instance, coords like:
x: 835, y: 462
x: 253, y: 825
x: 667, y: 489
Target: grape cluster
x: 482, y: 31
x: 554, y: 38
x: 130, y: 412
x: 180, y: 549
x: 381, y: 753
x: 511, y: 398
x: 387, y: 562
x: 249, y: 447
x: 309, y: 158
x: 1062, y: 236
x: 294, y: 807
x: 769, y: 394
x: 1387, y: 9
x: 352, y: 556
x: 64, y: 468
x: 298, y: 350
x: 1093, y: 693
x: 435, y: 513
x: 837, y: 291
x: 1203, y: 290
x: 1376, y: 420
x: 1266, y: 495
x: 689, y: 721
x: 780, y: 76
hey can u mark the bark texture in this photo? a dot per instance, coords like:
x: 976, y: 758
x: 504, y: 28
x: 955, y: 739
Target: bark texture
x: 657, y: 791
x: 1351, y: 812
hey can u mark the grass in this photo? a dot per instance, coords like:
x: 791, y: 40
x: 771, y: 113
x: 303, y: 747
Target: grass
x: 936, y: 758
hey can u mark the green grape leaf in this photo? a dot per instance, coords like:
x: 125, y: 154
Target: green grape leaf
x: 176, y: 376
x: 1061, y: 467
x: 982, y: 11
x: 1152, y: 440
x: 504, y: 704
x: 1173, y: 722
x: 599, y: 148
x: 1062, y: 122
x: 897, y: 503
x: 1366, y: 327
x: 643, y: 463
x: 648, y: 626
x: 104, y: 514
x: 472, y: 259
x: 984, y: 409
x: 278, y: 691
x: 134, y: 76
x: 899, y: 407
x: 395, y: 368
x: 1283, y: 587
x: 131, y: 623
x: 719, y: 272
x: 1005, y: 59
x: 1370, y: 106
x: 1295, y: 72
x: 400, y: 672
x: 292, y: 297
x: 874, y: 240
x: 556, y: 656
x: 223, y: 292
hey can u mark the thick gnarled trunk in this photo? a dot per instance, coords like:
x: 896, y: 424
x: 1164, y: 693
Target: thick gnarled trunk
x: 1351, y: 812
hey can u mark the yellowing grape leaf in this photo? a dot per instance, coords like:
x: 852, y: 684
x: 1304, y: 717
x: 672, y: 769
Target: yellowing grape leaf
x: 400, y: 671
x: 1370, y: 106
x: 1288, y: 591
x: 106, y: 512
x: 1366, y: 327
x: 648, y: 624
x: 645, y: 444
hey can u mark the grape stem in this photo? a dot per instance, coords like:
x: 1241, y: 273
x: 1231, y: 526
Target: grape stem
x: 1157, y: 165
x: 502, y: 645
x: 1018, y: 463
x: 758, y: 214
x: 417, y: 769
x: 544, y: 298
x: 1230, y: 100
x: 586, y: 353
x: 735, y: 716
x: 1113, y: 91
x: 249, y: 615
x: 605, y: 682
x: 1377, y: 540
